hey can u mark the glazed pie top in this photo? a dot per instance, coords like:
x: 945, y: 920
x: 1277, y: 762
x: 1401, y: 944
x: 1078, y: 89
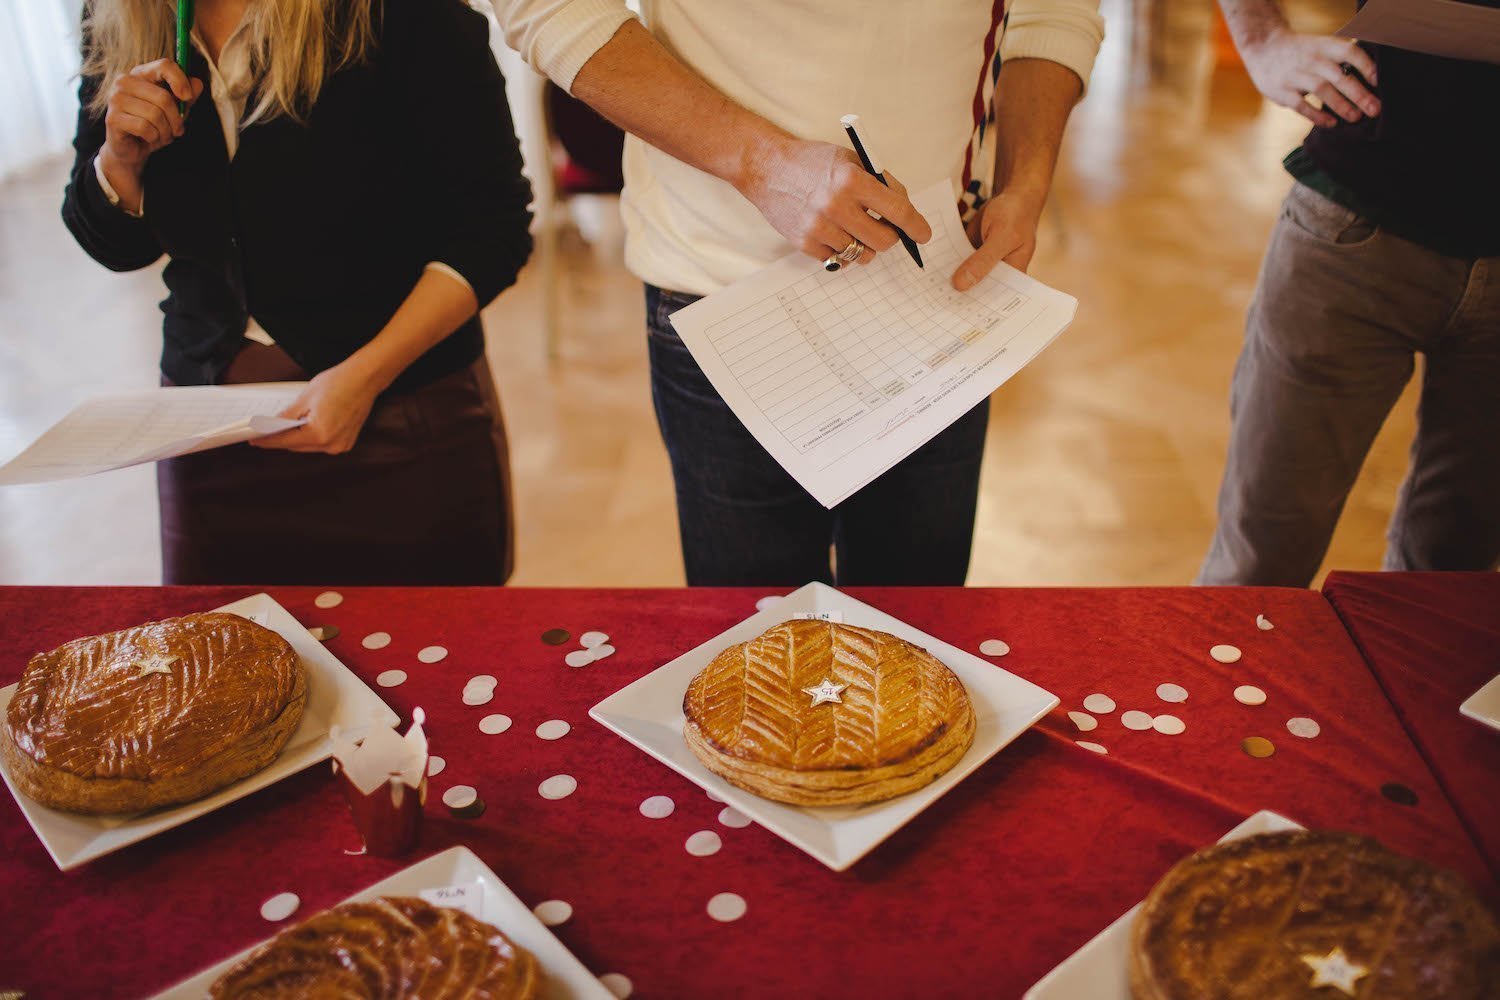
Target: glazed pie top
x: 1270, y: 915
x: 152, y: 701
x: 389, y: 947
x: 755, y: 701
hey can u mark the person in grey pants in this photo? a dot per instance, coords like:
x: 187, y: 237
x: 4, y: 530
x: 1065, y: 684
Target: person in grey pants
x: 1388, y: 246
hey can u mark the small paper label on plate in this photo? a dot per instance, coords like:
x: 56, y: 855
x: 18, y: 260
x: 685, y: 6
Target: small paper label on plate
x: 469, y: 898
x: 837, y: 617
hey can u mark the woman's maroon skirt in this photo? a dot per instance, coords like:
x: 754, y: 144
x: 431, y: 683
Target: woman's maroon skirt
x: 423, y: 498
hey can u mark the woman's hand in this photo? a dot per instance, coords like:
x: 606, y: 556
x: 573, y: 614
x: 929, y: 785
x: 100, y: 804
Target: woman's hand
x: 336, y: 404
x: 140, y: 119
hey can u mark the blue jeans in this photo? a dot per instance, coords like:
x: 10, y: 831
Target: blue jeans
x: 745, y: 521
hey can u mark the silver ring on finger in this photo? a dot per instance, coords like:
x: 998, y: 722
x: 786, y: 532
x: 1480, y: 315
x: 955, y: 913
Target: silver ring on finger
x: 851, y: 253
x: 832, y: 262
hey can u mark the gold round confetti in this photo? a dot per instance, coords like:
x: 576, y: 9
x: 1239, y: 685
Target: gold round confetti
x: 1257, y: 746
x: 1398, y: 793
x: 556, y: 636
x: 473, y: 810
x: 323, y: 633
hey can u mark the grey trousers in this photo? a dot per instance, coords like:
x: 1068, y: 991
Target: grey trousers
x: 1341, y: 310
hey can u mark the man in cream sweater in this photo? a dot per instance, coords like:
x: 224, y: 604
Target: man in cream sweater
x: 736, y: 157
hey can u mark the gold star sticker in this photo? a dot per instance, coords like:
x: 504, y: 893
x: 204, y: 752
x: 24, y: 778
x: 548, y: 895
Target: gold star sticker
x: 1334, y: 969
x: 827, y: 691
x: 156, y: 664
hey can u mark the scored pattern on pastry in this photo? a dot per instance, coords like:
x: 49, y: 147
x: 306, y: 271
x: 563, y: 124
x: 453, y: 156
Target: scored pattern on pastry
x: 87, y: 708
x: 391, y: 947
x: 890, y: 703
x: 1248, y: 918
x: 755, y: 718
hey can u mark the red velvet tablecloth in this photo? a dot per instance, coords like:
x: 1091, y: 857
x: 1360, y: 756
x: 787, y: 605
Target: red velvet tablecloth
x: 1433, y: 639
x: 1001, y: 879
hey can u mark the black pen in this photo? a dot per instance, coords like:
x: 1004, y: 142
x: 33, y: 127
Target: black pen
x: 851, y: 125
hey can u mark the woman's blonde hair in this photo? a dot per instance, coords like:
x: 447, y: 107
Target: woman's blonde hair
x: 295, y: 46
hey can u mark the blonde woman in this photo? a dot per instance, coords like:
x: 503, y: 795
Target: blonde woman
x: 342, y: 196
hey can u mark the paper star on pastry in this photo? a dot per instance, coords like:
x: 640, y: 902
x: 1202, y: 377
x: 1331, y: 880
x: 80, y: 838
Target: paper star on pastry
x: 156, y: 664
x: 1334, y: 969
x: 827, y: 691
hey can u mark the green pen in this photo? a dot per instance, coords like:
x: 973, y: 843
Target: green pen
x: 184, y: 41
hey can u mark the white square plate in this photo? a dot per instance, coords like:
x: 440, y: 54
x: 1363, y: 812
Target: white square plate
x: 334, y: 697
x: 649, y: 714
x: 1100, y: 970
x: 1484, y: 705
x: 565, y: 978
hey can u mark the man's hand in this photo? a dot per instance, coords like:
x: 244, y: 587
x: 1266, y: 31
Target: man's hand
x: 1287, y: 67
x: 818, y: 196
x: 1004, y: 230
x: 336, y: 404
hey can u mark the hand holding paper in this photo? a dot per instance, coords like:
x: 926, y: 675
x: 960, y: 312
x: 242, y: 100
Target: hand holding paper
x: 842, y: 375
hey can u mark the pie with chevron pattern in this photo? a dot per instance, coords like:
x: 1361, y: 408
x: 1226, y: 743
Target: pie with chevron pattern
x: 818, y: 713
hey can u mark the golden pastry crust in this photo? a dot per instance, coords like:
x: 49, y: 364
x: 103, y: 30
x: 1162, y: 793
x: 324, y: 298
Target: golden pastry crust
x: 153, y: 715
x: 1235, y: 920
x: 903, y: 718
x: 395, y: 947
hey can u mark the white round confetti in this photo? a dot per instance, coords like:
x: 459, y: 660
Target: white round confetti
x: 703, y: 843
x: 435, y: 765
x: 328, y: 599
x: 1303, y: 727
x: 494, y: 725
x: 482, y: 681
x: 591, y: 639
x: 478, y: 696
x: 460, y: 797
x: 1092, y: 746
x: 619, y: 985
x: 657, y: 807
x: 1171, y: 692
x: 390, y: 678
x: 994, y: 647
x: 1168, y: 725
x: 1135, y: 720
x: 712, y: 797
x: 1263, y: 623
x: 559, y: 786
x: 376, y: 640
x: 1099, y: 704
x: 553, y: 729
x: 280, y: 906
x: 727, y: 906
x: 579, y: 658
x: 732, y: 817
x: 431, y: 654
x: 766, y: 602
x: 1249, y: 694
x: 1225, y: 654
x: 600, y: 652
x: 1084, y: 721
x: 553, y: 912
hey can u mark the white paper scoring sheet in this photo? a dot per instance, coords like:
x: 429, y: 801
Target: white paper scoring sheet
x: 842, y: 375
x: 132, y: 428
